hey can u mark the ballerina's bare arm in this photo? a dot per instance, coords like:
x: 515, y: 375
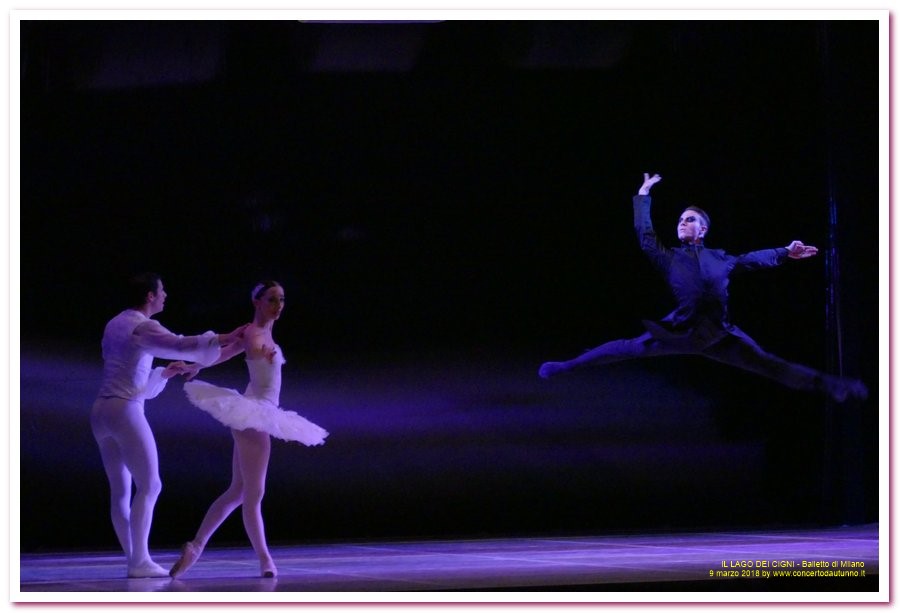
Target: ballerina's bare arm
x: 258, y: 344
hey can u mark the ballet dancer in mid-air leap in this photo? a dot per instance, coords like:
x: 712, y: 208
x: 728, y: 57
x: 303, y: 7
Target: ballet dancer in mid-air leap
x: 698, y: 278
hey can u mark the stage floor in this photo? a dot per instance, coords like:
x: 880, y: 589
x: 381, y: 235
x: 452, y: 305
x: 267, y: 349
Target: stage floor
x: 742, y: 561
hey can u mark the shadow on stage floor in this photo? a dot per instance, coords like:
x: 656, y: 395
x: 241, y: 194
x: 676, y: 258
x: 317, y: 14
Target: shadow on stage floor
x: 835, y: 559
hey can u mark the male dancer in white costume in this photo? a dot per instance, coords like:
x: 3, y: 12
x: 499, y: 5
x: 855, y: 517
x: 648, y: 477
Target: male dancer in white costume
x: 130, y: 342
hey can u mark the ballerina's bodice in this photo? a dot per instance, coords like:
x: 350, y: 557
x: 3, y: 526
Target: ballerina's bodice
x: 265, y: 377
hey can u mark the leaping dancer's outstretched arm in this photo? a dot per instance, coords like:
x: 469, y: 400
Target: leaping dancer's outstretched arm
x: 799, y: 251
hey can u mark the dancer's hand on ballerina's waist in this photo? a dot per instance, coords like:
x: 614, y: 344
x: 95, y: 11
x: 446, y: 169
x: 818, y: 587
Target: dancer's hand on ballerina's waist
x: 799, y: 251
x: 180, y: 368
x: 191, y: 370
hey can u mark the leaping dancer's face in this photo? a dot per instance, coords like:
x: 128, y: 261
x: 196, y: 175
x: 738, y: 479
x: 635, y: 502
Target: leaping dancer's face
x: 690, y: 227
x: 271, y: 303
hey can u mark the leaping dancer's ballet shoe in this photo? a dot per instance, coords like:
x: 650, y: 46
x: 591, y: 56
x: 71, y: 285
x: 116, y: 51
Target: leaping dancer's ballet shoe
x: 548, y: 369
x: 190, y: 553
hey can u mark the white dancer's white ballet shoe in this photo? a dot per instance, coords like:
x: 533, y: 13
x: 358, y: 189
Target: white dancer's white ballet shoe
x: 146, y: 570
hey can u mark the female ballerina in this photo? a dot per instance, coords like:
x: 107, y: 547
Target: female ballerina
x: 252, y: 417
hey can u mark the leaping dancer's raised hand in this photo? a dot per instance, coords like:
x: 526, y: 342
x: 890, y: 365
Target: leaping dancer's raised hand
x: 648, y: 183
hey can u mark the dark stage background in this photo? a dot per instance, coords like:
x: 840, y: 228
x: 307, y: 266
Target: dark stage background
x: 448, y: 205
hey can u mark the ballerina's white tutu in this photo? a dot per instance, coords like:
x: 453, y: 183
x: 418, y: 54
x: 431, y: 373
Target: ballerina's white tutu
x: 257, y: 407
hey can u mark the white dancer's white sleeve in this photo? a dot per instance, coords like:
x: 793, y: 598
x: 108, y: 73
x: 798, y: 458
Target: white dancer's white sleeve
x: 156, y: 383
x: 154, y: 338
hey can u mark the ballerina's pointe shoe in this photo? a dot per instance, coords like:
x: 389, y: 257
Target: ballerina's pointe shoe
x: 146, y: 570
x: 189, y: 554
x: 268, y: 570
